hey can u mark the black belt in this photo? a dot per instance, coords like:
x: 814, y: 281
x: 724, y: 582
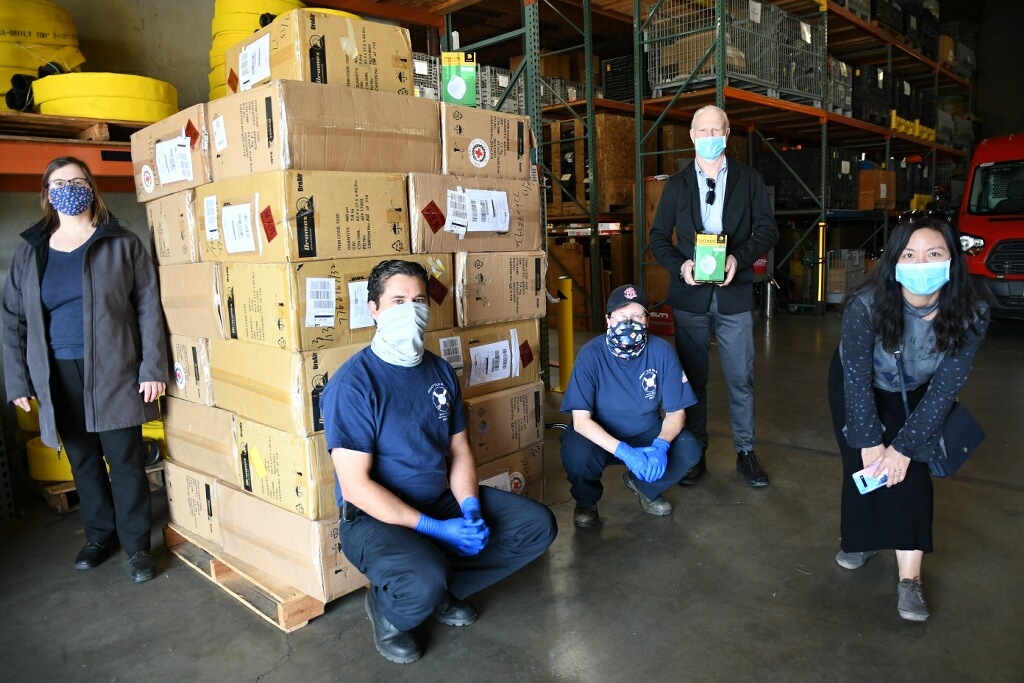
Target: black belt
x: 349, y: 512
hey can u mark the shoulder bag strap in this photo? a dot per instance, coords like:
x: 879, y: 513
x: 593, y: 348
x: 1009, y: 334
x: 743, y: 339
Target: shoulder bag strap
x: 903, y: 385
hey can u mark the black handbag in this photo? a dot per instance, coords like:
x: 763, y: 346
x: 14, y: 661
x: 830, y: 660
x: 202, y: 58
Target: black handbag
x: 959, y: 436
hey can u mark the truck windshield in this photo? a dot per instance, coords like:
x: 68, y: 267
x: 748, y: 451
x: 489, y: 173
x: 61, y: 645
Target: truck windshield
x: 998, y: 188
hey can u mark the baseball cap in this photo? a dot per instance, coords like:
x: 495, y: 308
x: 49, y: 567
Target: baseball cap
x: 625, y: 295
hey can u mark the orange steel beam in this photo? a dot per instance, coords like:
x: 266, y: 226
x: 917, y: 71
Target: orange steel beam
x: 25, y: 159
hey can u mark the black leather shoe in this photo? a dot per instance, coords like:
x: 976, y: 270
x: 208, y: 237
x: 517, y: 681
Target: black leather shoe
x: 94, y: 554
x: 395, y: 646
x: 749, y: 468
x: 696, y: 472
x: 585, y: 517
x: 141, y: 566
x: 454, y: 612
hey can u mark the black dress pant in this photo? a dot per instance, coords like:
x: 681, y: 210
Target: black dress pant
x: 114, y: 506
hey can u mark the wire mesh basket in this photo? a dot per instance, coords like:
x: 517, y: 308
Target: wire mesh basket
x: 844, y: 270
x: 802, y: 68
x: 426, y: 76
x: 840, y: 86
x: 492, y: 83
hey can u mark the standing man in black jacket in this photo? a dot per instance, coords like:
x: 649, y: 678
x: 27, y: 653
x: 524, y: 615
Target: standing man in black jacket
x: 718, y: 196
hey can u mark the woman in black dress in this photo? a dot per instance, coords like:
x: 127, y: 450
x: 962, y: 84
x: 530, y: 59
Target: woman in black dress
x: 918, y: 302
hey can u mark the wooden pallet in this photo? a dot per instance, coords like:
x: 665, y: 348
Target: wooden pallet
x: 66, y: 127
x: 62, y: 496
x: 283, y: 606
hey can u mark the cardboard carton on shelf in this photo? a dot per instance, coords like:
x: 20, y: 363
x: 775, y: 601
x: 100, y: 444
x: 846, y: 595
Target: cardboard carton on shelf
x: 171, y: 155
x: 505, y: 421
x: 521, y: 472
x: 876, y: 190
x: 201, y: 437
x: 172, y: 222
x: 489, y: 358
x: 499, y: 286
x: 192, y: 500
x: 484, y: 143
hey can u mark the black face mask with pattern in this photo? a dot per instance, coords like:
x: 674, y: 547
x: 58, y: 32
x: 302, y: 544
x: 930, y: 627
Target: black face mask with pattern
x: 626, y: 339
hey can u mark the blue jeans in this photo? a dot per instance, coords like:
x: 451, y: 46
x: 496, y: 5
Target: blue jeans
x: 584, y: 462
x: 735, y: 336
x: 409, y: 572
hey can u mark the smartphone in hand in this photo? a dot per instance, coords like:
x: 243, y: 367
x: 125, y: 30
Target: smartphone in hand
x: 866, y: 483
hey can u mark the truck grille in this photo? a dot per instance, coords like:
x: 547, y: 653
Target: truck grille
x: 1007, y: 258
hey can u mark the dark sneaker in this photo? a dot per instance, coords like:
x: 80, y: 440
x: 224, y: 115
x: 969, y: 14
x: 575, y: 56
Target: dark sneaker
x: 912, y: 606
x: 141, y: 566
x: 395, y: 646
x: 454, y: 612
x: 696, y: 472
x: 853, y: 560
x: 749, y: 468
x: 583, y: 517
x: 94, y: 554
x: 659, y: 507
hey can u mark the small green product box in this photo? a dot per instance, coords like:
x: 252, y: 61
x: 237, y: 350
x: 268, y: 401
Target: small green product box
x: 709, y: 258
x: 458, y: 78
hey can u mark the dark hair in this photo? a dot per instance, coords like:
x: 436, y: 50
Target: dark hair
x: 959, y: 306
x: 383, y: 271
x: 51, y: 221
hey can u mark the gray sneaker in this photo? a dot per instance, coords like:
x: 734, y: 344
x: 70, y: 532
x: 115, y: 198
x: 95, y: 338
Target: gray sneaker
x: 659, y: 507
x: 912, y: 606
x: 853, y: 560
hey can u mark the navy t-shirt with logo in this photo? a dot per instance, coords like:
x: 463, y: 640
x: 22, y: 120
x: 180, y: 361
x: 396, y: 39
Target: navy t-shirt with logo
x: 625, y: 396
x: 404, y: 417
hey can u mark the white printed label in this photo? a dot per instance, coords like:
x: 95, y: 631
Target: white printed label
x: 500, y: 481
x: 358, y: 309
x: 883, y: 191
x: 844, y: 167
x: 320, y: 293
x: 457, y: 218
x: 488, y: 211
x: 254, y: 63
x: 220, y: 134
x: 513, y: 340
x: 420, y: 67
x: 906, y: 88
x: 502, y: 80
x: 755, y: 11
x: 842, y: 68
x: 210, y: 218
x: 490, y: 363
x: 174, y: 160
x: 805, y: 32
x: 238, y: 234
x: 451, y: 351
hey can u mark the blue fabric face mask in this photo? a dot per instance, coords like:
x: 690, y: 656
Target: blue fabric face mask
x: 626, y: 339
x: 923, y: 278
x: 70, y: 200
x: 711, y: 148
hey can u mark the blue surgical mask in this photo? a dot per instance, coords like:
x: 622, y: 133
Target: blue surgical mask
x: 923, y: 278
x: 711, y: 148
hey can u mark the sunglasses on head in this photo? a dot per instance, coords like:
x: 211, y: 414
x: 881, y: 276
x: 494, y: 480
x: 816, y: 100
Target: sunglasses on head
x: 918, y: 214
x: 710, y: 196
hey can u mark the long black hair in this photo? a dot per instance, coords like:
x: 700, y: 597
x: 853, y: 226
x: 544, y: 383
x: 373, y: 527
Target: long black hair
x: 959, y: 306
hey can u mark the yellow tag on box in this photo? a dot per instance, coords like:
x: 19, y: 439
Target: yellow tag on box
x: 709, y: 258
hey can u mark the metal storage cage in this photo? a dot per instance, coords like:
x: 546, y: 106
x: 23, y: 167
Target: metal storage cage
x: 844, y: 270
x: 426, y: 76
x: 617, y: 79
x: 492, y: 82
x: 801, y: 57
x: 840, y: 87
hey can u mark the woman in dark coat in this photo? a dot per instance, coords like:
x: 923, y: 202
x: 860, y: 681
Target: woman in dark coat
x: 918, y: 303
x: 84, y: 335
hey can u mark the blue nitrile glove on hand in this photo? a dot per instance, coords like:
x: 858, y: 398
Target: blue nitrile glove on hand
x: 474, y: 516
x: 635, y: 459
x: 657, y: 456
x: 466, y: 538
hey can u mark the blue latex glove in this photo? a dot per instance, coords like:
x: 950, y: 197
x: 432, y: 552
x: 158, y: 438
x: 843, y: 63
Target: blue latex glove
x: 636, y: 460
x: 465, y: 538
x: 474, y: 516
x: 657, y: 456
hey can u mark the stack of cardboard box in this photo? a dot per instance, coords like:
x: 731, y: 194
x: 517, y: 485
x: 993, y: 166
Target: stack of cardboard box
x: 268, y: 209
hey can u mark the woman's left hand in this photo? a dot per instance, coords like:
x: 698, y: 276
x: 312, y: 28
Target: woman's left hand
x: 151, y: 390
x: 895, y: 463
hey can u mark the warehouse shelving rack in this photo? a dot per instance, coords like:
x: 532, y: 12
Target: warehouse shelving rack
x: 762, y: 115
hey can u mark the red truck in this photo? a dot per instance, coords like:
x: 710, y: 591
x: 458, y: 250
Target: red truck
x: 991, y: 223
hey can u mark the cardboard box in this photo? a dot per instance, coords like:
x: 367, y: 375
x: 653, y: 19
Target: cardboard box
x: 449, y: 213
x: 521, y: 473
x: 483, y: 143
x: 294, y: 473
x: 499, y: 286
x: 876, y: 190
x: 505, y: 421
x: 201, y: 437
x: 171, y: 155
x: 306, y: 45
x: 172, y: 221
x: 192, y: 501
x: 285, y: 125
x: 191, y: 369
x: 301, y: 215
x: 318, y: 304
x: 191, y: 297
x: 276, y: 387
x: 490, y: 358
x: 299, y: 552
x: 709, y: 258
x: 947, y: 51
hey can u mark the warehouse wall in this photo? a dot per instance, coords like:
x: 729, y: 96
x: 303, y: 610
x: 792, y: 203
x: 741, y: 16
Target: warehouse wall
x: 998, y: 97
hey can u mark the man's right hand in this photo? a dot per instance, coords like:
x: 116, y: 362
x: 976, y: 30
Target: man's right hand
x: 686, y: 273
x: 468, y: 538
x: 636, y: 460
x: 23, y: 403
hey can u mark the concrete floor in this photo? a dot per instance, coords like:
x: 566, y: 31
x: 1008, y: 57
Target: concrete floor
x: 738, y: 584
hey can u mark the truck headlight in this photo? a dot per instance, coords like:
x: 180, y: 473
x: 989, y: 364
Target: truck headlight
x: 970, y: 244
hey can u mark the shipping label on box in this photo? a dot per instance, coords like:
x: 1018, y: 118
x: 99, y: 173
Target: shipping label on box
x: 499, y: 286
x: 709, y: 257
x: 521, y: 473
x: 171, y: 155
x: 301, y: 215
x: 191, y: 369
x: 449, y: 213
x: 201, y: 437
x: 319, y: 304
x: 299, y: 552
x: 490, y: 358
x: 273, y: 386
x: 284, y: 125
x: 505, y: 421
x: 483, y: 143
x: 192, y: 501
x: 190, y: 294
x: 307, y: 45
x: 292, y: 472
x: 172, y: 221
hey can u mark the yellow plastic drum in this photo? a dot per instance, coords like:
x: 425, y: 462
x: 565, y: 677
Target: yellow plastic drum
x: 154, y: 429
x: 28, y: 422
x: 47, y: 464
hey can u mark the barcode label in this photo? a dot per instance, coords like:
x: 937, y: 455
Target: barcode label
x: 237, y: 223
x: 210, y: 218
x: 458, y: 213
x: 451, y: 351
x: 254, y: 63
x: 320, y: 298
x: 487, y: 211
x: 490, y: 363
x: 173, y: 160
x: 220, y: 134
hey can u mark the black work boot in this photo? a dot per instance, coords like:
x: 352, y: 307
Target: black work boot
x: 395, y: 646
x: 749, y: 468
x: 696, y: 472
